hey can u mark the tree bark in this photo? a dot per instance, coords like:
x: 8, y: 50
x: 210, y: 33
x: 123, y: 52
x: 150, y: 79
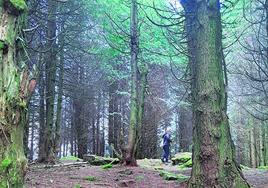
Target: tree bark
x: 214, y: 162
x: 133, y: 125
x: 50, y: 81
x: 60, y: 96
x: 42, y: 124
x: 14, y: 94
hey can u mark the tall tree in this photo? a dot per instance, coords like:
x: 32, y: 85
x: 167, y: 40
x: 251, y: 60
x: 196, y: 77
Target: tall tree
x: 130, y: 153
x: 214, y: 162
x: 15, y: 88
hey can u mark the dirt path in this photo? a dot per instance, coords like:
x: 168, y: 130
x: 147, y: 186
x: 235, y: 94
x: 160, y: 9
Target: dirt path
x: 118, y: 176
x: 146, y: 176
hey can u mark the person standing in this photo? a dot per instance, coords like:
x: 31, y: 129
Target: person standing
x: 166, y: 145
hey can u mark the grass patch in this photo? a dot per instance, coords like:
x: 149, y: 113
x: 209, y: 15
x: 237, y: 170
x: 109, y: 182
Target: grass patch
x: 77, y: 186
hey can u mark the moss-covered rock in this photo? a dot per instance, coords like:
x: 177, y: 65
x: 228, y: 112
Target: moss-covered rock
x: 70, y: 158
x: 98, y: 161
x: 181, y: 158
x: 107, y: 166
x: 171, y: 176
x: 187, y: 164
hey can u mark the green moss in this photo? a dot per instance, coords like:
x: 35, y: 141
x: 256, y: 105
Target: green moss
x: 5, y: 163
x: 107, y: 166
x: 181, y: 158
x: 263, y: 167
x: 77, y: 186
x: 188, y: 164
x: 23, y: 104
x: 2, y: 45
x: 19, y: 4
x: 70, y: 158
x: 171, y: 176
x: 91, y: 178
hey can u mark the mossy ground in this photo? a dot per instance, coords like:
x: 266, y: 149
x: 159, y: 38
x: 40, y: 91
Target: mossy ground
x: 70, y: 158
x: 263, y: 167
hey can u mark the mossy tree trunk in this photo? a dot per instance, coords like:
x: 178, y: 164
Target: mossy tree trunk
x: 139, y: 74
x: 15, y: 88
x: 213, y: 152
x: 129, y: 158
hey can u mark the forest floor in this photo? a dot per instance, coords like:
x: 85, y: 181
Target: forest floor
x: 145, y: 176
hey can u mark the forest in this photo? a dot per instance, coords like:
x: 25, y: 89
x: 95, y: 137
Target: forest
x: 133, y: 93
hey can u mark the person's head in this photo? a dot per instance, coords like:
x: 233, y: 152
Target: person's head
x: 168, y: 130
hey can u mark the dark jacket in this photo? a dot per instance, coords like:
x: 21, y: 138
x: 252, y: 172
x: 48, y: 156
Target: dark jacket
x: 166, y: 139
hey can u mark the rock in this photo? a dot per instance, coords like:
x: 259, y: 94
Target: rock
x: 181, y: 158
x: 98, y: 160
x: 188, y: 164
x: 171, y: 176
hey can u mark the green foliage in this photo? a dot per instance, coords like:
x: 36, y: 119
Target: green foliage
x: 5, y: 163
x: 107, y: 166
x: 19, y: 4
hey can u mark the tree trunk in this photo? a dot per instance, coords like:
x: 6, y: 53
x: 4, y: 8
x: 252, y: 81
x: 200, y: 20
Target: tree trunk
x: 60, y: 96
x: 213, y: 152
x: 185, y: 128
x: 264, y: 144
x: 98, y: 124
x: 133, y: 125
x: 14, y: 94
x: 112, y: 90
x: 252, y: 149
x: 50, y: 81
x: 42, y: 128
